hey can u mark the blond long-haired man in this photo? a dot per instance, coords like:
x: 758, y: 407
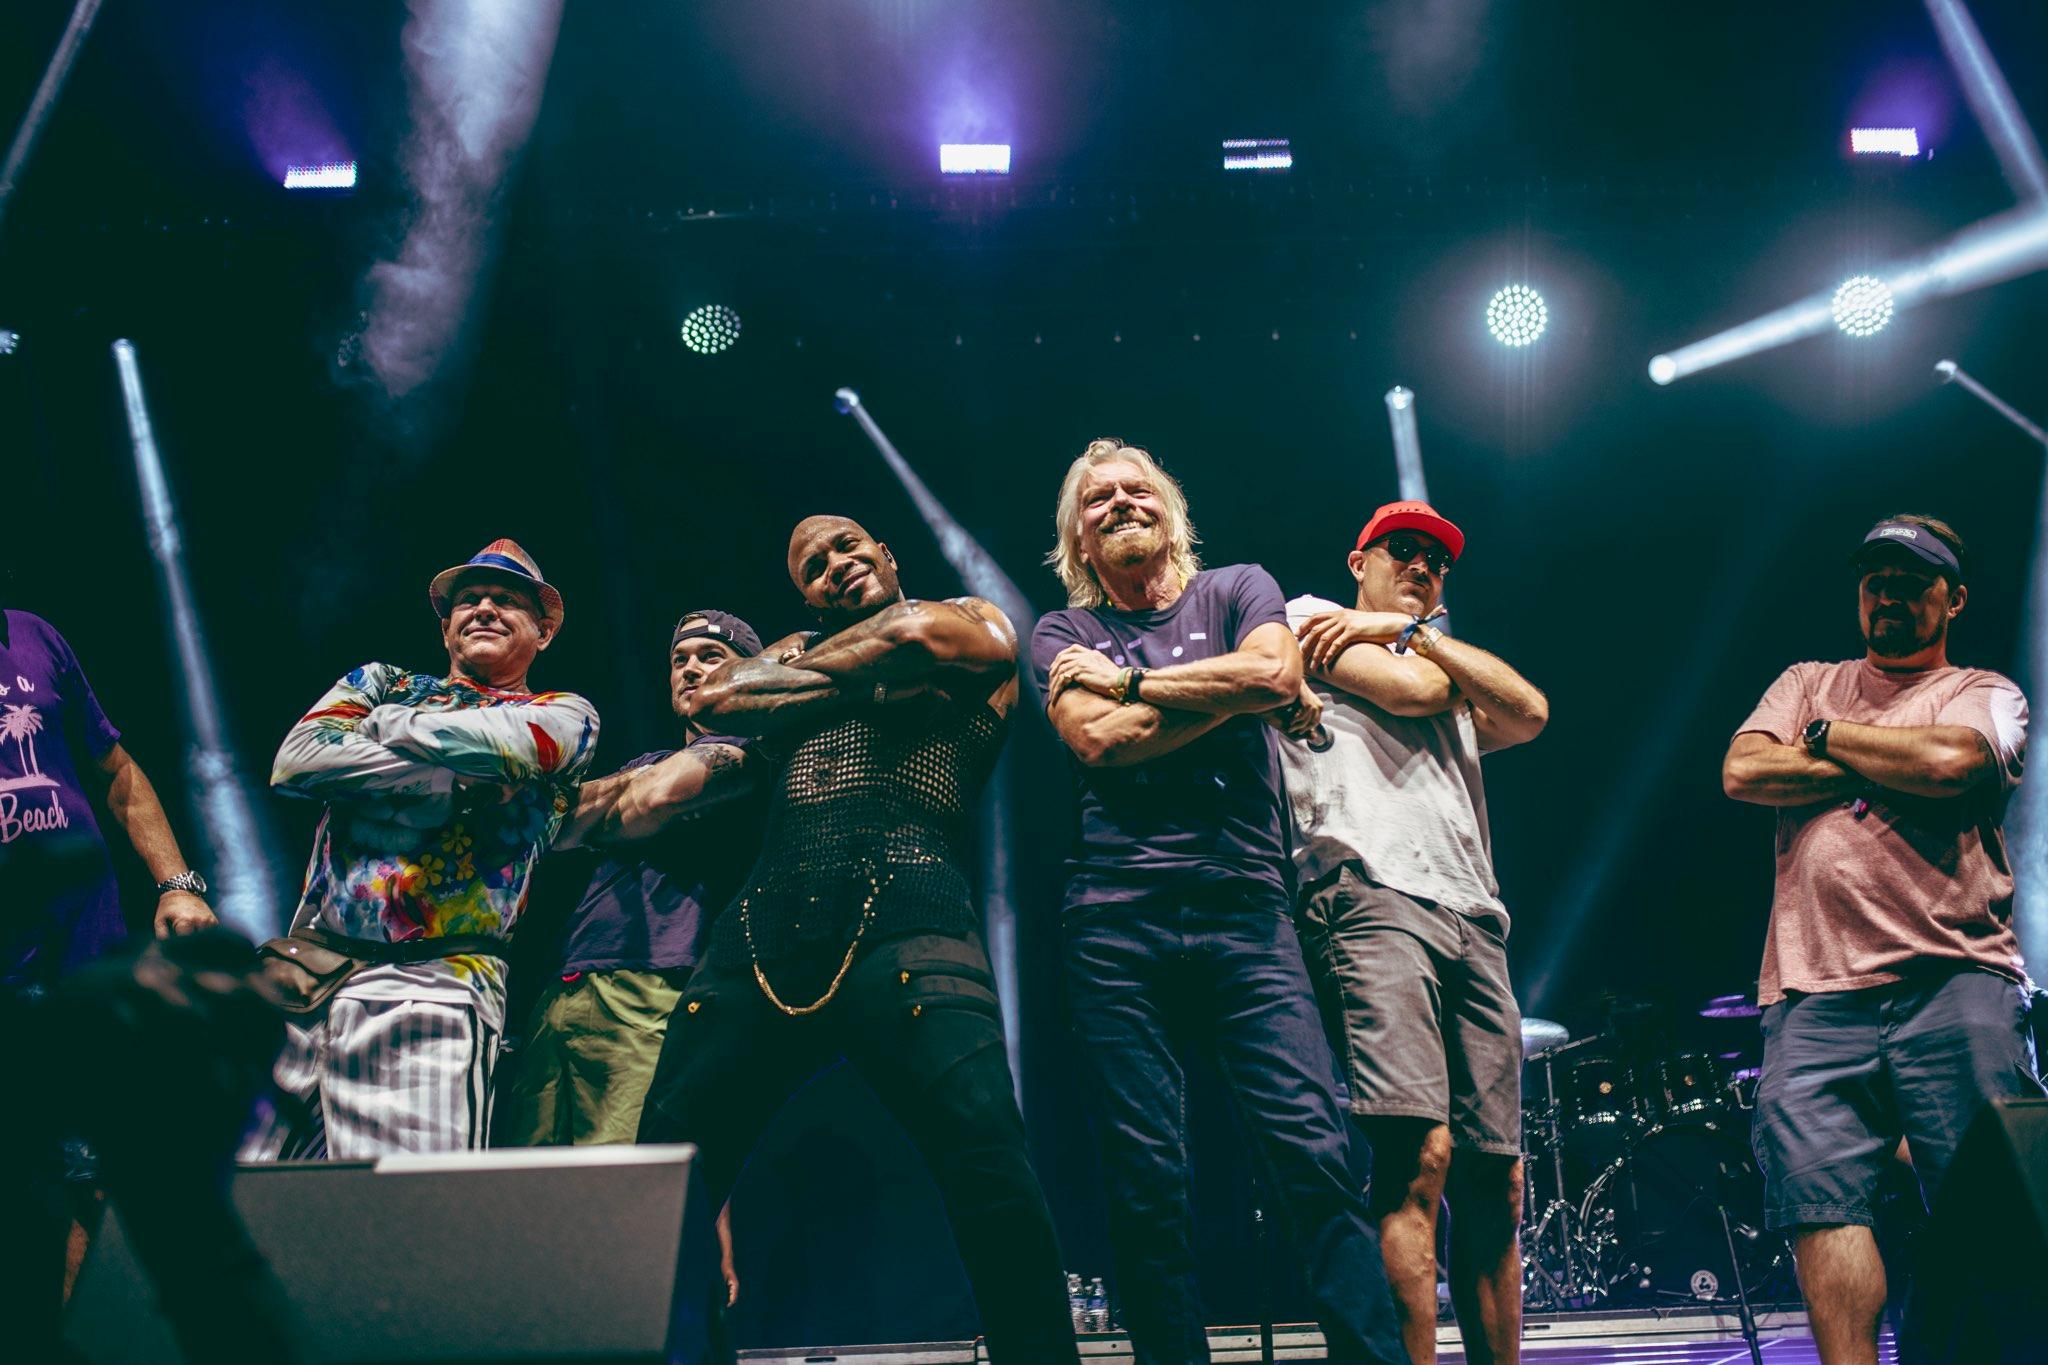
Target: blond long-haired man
x: 1159, y: 678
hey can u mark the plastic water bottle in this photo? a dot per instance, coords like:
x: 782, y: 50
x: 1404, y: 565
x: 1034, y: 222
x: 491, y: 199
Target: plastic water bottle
x: 1098, y: 1306
x: 1077, y: 1303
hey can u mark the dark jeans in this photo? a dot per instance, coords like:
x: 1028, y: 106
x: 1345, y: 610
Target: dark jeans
x: 918, y: 1018
x: 1217, y: 968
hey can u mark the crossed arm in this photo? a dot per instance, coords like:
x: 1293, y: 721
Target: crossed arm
x: 352, y: 744
x: 1181, y: 702
x: 1938, y: 761
x: 901, y: 651
x: 640, y: 803
x: 1507, y: 709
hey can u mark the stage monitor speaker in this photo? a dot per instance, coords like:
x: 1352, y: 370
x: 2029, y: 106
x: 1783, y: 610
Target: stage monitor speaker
x: 526, y: 1254
x: 1980, y: 1270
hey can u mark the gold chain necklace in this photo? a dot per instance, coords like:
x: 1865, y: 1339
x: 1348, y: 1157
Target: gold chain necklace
x: 867, y: 917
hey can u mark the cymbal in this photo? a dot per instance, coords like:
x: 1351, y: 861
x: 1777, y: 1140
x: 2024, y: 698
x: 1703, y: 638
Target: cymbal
x: 1730, y: 1007
x: 1539, y: 1035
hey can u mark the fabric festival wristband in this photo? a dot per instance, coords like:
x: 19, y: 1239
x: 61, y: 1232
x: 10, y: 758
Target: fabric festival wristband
x: 1407, y: 633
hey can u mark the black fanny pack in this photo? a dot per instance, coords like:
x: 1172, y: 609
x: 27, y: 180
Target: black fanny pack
x: 307, y: 966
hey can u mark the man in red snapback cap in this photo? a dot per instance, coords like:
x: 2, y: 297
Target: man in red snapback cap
x: 1402, y: 920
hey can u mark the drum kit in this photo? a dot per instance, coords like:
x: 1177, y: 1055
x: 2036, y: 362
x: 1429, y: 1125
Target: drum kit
x: 1642, y: 1191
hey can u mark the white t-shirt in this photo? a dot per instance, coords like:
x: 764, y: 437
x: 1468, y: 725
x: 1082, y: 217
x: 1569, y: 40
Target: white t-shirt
x: 1400, y: 795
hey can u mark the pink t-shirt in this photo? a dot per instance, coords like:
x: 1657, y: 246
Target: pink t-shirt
x: 1914, y: 878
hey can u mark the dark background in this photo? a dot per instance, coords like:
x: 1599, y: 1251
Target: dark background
x: 1651, y: 557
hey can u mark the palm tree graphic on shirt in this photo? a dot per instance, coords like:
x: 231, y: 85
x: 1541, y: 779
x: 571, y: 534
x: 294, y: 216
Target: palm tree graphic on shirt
x: 21, y: 724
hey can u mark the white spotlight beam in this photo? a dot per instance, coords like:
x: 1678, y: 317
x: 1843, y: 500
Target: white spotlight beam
x: 2028, y: 830
x: 2000, y: 248
x: 1948, y: 372
x: 1407, y: 444
x: 45, y: 98
x: 234, y: 836
x: 475, y: 72
x: 985, y: 579
x: 976, y: 567
x: 1997, y: 112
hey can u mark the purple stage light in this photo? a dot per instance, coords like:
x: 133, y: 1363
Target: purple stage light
x: 974, y: 158
x: 1257, y: 154
x: 332, y: 175
x: 1884, y: 141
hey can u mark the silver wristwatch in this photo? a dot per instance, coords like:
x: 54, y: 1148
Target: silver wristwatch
x: 185, y: 881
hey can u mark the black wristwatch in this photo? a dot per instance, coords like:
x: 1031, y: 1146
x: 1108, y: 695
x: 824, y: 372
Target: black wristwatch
x: 1815, y: 738
x: 184, y: 881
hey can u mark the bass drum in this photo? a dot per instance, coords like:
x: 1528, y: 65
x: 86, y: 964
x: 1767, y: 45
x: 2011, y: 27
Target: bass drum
x: 1658, y: 1207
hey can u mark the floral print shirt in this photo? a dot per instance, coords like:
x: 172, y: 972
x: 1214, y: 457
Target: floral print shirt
x: 441, y: 796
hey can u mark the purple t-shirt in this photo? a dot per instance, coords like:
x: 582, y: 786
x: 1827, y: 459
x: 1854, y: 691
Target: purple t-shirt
x: 1213, y: 809
x: 648, y: 913
x: 59, y: 905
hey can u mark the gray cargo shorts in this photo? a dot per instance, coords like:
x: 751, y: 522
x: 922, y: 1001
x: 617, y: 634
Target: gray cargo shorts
x: 1418, y: 1007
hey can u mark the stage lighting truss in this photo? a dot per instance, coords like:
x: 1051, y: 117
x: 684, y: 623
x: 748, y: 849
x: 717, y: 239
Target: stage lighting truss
x: 711, y: 329
x: 1863, y: 305
x: 1516, y: 315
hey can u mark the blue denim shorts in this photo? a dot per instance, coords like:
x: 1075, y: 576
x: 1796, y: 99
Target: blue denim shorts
x: 1846, y: 1074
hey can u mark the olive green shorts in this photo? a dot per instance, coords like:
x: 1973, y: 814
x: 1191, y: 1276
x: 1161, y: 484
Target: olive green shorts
x: 589, y: 1054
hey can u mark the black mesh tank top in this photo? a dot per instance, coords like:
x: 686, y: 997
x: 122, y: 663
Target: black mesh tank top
x: 883, y: 799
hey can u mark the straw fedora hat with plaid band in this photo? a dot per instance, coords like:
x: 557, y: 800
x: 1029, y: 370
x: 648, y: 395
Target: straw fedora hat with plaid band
x: 499, y: 559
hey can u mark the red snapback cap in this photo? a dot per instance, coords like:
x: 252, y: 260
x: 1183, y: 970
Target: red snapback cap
x: 1412, y: 516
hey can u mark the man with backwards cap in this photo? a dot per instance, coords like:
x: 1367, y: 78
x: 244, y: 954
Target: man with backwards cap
x: 441, y: 793
x: 1893, y: 993
x: 856, y: 933
x: 1402, y: 919
x: 674, y: 842
x: 674, y: 834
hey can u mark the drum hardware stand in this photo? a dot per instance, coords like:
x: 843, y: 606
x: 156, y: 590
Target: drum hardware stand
x: 1263, y: 1285
x: 1745, y: 1314
x: 1575, y: 1282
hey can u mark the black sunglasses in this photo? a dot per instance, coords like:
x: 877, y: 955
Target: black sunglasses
x: 1404, y: 547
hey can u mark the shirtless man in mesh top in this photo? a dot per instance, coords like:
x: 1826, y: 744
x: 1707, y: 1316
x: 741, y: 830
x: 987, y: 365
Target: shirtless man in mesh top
x: 856, y: 935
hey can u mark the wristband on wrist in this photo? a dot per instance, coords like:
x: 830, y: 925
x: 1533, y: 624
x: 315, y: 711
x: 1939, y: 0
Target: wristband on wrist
x: 1122, y: 686
x: 1407, y: 634
x: 1131, y: 686
x: 1426, y: 637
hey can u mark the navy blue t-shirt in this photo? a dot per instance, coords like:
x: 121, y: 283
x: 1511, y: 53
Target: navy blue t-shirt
x: 646, y: 907
x: 59, y: 905
x: 1213, y: 809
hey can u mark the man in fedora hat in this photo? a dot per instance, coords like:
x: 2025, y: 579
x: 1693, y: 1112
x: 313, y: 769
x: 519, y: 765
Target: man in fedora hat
x: 441, y: 792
